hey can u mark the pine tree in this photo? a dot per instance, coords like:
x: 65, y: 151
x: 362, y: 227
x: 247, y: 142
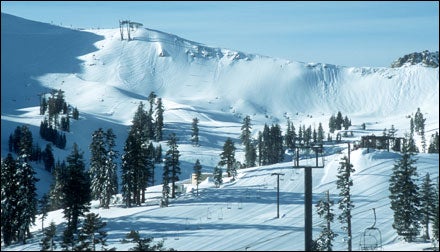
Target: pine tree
x: 76, y: 189
x: 144, y: 244
x: 75, y: 113
x: 346, y: 123
x: 48, y: 158
x: 404, y: 196
x: 48, y: 240
x: 198, y: 174
x: 44, y: 208
x: 111, y: 187
x: 69, y: 241
x: 218, y: 176
x: 392, y: 131
x: 344, y: 183
x: 275, y: 141
x: 165, y: 185
x: 103, y: 167
x: 27, y: 191
x: 9, y: 203
x: 250, y: 154
x: 320, y: 137
x: 195, y: 132
x: 43, y: 106
x: 427, y: 203
x: 172, y: 161
x: 434, y: 143
x: 326, y: 237
x: 159, y: 120
x: 290, y: 136
x: 227, y: 157
x: 245, y: 136
x: 91, y: 233
x: 435, y: 215
x: 56, y: 193
x: 339, y: 121
x: 332, y: 123
x: 158, y: 155
x: 98, y: 165
x: 136, y: 160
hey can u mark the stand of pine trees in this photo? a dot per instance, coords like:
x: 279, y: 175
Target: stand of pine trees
x: 103, y: 167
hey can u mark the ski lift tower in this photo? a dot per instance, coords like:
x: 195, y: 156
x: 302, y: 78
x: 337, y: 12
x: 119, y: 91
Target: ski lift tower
x: 308, y: 225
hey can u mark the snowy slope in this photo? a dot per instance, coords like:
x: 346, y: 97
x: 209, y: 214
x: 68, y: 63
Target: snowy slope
x: 106, y: 78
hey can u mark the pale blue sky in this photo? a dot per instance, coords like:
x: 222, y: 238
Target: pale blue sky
x: 342, y: 33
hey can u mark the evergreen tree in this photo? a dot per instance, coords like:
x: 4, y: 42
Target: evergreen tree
x: 195, y: 132
x: 339, y: 120
x: 198, y: 174
x: 27, y: 191
x: 56, y: 193
x: 144, y: 244
x: 75, y: 113
x: 44, y: 208
x: 91, y: 233
x: 346, y: 123
x: 43, y: 106
x: 218, y: 176
x: 419, y: 121
x: 165, y: 184
x: 332, y: 123
x: 260, y: 148
x: 250, y: 154
x: 97, y: 165
x: 275, y: 142
x: 290, y: 136
x: 245, y: 136
x: 227, y: 157
x: 392, y: 131
x: 344, y: 183
x: 159, y: 120
x: 103, y: 167
x: 427, y: 203
x: 10, y: 199
x: 435, y: 215
x: 404, y: 196
x: 129, y: 173
x: 315, y: 136
x: 172, y: 161
x: 326, y: 237
x: 48, y: 240
x: 76, y: 189
x: 320, y: 137
x: 111, y: 184
x: 136, y: 162
x: 422, y: 133
x: 48, y: 158
x: 158, y: 156
x: 68, y: 239
x: 434, y: 144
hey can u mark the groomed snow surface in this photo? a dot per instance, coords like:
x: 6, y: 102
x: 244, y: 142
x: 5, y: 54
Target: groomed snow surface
x: 106, y: 78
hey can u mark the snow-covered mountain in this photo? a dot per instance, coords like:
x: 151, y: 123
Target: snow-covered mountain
x: 106, y: 78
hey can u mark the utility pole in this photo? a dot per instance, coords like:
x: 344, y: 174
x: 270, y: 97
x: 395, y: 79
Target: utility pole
x: 278, y: 191
x: 349, y: 211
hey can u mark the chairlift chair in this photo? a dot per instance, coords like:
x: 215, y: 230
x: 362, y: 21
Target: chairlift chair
x: 371, y: 238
